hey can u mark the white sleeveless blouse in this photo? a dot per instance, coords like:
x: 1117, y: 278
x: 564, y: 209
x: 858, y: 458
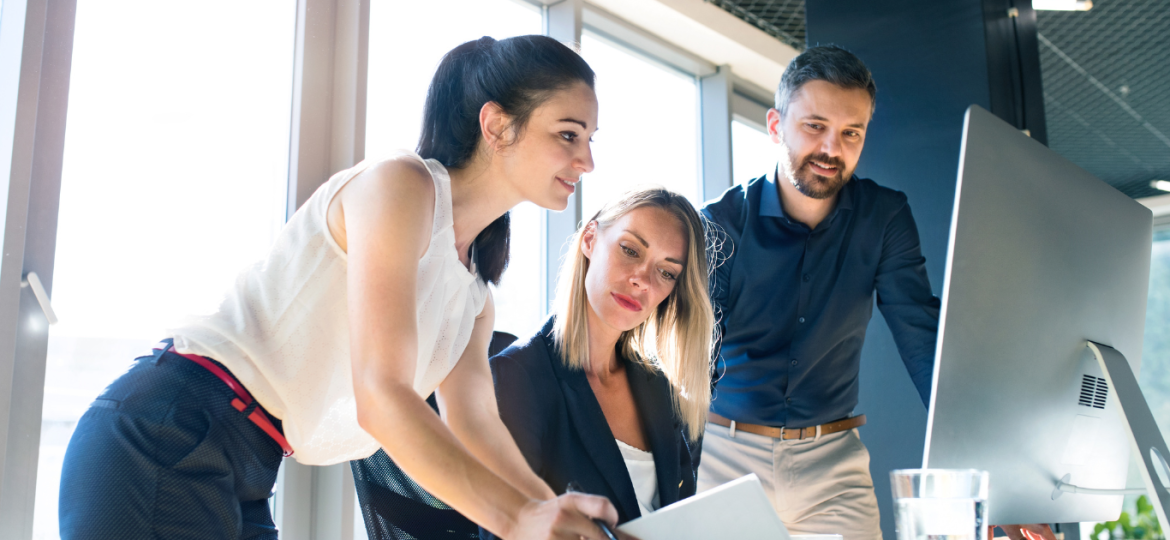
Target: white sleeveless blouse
x: 283, y: 329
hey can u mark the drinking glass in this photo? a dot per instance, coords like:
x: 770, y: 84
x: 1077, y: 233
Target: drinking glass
x: 940, y: 504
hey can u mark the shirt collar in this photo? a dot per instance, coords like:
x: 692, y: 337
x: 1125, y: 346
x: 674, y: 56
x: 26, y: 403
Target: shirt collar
x: 770, y: 199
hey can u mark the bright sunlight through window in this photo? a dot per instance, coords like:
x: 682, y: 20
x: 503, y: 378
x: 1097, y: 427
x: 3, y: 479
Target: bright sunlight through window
x: 176, y: 151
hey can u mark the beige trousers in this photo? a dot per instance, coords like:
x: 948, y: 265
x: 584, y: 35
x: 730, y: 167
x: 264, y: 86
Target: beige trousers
x: 817, y: 486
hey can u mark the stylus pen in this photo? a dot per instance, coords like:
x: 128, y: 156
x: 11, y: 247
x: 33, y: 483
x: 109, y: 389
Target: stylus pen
x: 601, y: 524
x: 605, y: 529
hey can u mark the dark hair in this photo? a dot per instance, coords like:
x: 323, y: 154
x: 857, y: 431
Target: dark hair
x: 518, y: 74
x: 829, y: 63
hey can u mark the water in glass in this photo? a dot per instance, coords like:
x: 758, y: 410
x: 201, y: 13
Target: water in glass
x: 941, y: 519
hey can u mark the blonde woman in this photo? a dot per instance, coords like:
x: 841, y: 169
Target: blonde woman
x: 611, y: 395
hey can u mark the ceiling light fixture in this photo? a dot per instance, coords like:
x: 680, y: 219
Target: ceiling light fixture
x: 1063, y: 5
x: 1163, y: 185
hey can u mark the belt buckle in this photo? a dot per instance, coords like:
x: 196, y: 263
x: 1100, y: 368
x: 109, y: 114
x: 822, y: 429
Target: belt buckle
x: 816, y: 435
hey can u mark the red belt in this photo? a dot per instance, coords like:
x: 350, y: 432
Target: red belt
x: 243, y: 401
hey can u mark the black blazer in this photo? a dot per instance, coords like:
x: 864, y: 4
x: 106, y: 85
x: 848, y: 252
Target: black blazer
x: 560, y: 428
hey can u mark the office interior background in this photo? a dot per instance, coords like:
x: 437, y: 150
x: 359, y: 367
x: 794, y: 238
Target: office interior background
x: 152, y: 149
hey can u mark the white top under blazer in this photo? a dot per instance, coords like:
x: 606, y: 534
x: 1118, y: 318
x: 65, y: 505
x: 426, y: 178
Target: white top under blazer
x: 283, y: 328
x: 643, y: 476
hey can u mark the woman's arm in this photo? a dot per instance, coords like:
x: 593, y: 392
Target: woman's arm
x: 467, y: 400
x: 386, y: 215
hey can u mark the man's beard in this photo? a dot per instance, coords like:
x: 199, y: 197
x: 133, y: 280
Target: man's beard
x: 812, y: 184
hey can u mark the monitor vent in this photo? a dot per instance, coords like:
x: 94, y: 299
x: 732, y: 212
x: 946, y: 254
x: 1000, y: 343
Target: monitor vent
x: 1094, y: 390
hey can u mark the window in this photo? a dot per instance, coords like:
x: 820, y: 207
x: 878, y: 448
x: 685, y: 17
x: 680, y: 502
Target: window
x: 174, y: 178
x: 404, y: 53
x: 1154, y: 378
x: 517, y: 298
x: 753, y: 154
x: 406, y: 42
x: 647, y: 126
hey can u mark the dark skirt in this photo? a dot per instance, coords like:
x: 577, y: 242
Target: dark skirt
x: 163, y: 454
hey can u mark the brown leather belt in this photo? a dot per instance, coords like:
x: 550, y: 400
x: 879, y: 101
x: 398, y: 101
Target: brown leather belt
x: 788, y: 434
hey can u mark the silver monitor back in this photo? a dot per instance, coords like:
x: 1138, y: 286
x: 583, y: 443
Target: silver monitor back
x: 1043, y: 256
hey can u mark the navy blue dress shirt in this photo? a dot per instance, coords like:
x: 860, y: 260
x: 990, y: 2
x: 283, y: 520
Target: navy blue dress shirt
x: 793, y: 303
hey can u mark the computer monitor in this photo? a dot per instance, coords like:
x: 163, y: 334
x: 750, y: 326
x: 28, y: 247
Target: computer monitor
x: 1043, y: 258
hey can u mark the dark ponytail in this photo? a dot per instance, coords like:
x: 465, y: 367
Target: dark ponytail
x: 518, y: 74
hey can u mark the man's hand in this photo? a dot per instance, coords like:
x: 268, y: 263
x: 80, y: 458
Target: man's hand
x: 1025, y: 532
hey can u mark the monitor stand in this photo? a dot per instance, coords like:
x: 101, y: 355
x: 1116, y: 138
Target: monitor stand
x: 1146, y: 439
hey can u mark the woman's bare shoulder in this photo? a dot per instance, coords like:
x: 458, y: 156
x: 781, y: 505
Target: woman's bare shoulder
x: 403, y: 176
x: 396, y: 193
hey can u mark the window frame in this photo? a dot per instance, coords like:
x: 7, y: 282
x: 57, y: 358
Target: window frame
x: 33, y: 102
x: 750, y: 105
x: 565, y: 20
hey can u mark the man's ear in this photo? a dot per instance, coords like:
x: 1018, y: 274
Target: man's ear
x: 495, y: 125
x: 589, y: 239
x: 773, y: 122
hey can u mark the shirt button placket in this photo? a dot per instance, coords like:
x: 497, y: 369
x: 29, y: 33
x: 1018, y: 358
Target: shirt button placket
x: 802, y: 303
x: 802, y: 300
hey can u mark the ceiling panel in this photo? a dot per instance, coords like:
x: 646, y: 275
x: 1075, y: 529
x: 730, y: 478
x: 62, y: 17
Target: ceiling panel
x: 1106, y: 79
x: 782, y: 19
x: 1106, y: 75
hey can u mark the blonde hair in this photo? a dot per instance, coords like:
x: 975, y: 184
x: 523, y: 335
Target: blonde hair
x: 677, y: 338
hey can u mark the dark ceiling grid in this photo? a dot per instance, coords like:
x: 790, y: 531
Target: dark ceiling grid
x: 1106, y: 78
x: 782, y: 19
x: 1106, y: 75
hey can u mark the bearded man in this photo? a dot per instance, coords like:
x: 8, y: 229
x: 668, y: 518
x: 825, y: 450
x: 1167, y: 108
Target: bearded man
x: 807, y: 247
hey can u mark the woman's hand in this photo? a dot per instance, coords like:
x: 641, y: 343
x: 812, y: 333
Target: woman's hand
x: 568, y: 517
x: 1026, y: 532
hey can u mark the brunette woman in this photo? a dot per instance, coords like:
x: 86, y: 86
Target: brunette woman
x: 373, y: 296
